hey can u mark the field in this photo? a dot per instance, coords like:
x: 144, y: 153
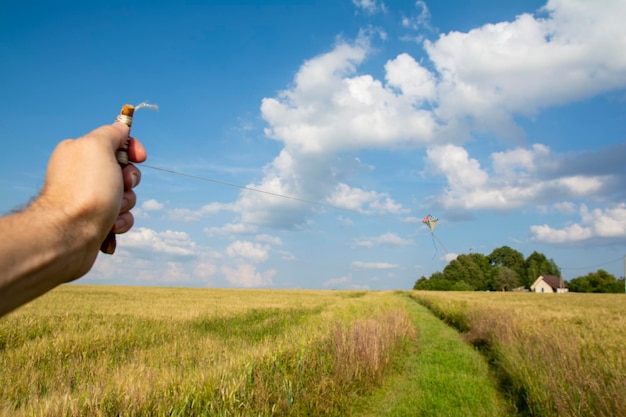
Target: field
x: 109, y: 351
x: 555, y: 354
x: 132, y: 351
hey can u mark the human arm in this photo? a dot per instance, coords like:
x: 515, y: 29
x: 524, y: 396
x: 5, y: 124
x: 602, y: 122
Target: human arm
x: 57, y: 238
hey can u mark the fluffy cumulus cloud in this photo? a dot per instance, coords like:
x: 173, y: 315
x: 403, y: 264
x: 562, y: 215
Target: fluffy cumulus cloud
x: 493, y: 72
x: 517, y: 177
x: 174, y: 258
x: 254, y: 252
x: 246, y: 275
x: 331, y: 108
x: 609, y: 223
x: 476, y: 81
x: 362, y: 201
x: 152, y: 205
x: 466, y: 84
x: 168, y: 242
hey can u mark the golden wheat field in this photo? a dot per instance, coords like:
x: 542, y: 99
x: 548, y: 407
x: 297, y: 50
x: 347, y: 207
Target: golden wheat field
x: 133, y: 351
x: 557, y: 354
x: 83, y: 350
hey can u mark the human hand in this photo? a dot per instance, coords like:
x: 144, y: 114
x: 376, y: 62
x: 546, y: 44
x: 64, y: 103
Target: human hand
x: 57, y: 238
x: 84, y: 181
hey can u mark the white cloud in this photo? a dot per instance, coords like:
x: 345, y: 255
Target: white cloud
x: 273, y: 240
x: 362, y: 201
x: 517, y: 179
x: 370, y: 6
x: 331, y: 109
x: 188, y: 215
x: 151, y: 205
x: 565, y: 207
x: 246, y: 275
x: 373, y: 265
x: 168, y: 242
x: 609, y: 223
x: 231, y: 229
x: 414, y: 81
x: 492, y: 72
x: 412, y: 219
x: 251, y: 251
x: 387, y: 239
x: 337, y: 282
x: 448, y: 257
x: 204, y: 269
x: 470, y: 82
x: 419, y: 21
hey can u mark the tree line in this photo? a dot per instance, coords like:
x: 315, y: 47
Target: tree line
x: 506, y: 269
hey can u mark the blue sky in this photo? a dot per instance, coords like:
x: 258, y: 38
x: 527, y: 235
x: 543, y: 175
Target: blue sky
x: 506, y: 120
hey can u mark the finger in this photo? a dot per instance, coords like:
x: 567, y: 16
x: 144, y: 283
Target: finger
x: 129, y: 199
x: 123, y: 223
x: 131, y: 175
x: 136, y: 151
x: 116, y: 134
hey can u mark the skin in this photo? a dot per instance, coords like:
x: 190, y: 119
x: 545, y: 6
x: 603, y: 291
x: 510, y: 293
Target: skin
x: 57, y: 238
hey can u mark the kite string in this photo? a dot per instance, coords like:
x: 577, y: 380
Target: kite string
x: 434, y: 245
x: 243, y: 187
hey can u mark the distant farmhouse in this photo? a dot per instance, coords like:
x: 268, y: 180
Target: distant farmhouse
x: 549, y: 284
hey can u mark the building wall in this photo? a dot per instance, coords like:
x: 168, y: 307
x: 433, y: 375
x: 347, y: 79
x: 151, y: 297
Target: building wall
x: 542, y: 286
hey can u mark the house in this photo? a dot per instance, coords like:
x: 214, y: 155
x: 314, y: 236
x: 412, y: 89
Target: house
x: 549, y: 284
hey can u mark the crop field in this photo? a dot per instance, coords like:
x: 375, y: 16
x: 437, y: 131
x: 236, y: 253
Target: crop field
x: 555, y: 354
x: 153, y: 351
x: 133, y: 351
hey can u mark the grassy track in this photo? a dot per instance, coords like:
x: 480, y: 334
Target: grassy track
x: 443, y: 376
x: 556, y: 354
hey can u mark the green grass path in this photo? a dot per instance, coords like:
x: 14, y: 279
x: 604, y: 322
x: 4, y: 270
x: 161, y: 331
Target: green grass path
x: 442, y: 376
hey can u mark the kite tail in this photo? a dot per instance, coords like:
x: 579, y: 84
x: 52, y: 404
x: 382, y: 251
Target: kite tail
x: 434, y: 245
x: 444, y: 248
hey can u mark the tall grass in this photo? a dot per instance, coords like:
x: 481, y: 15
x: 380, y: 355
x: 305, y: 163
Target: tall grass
x: 107, y: 351
x: 557, y: 355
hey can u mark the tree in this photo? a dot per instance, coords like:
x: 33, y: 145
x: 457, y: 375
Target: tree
x: 510, y: 258
x: 487, y: 271
x: 537, y: 264
x: 436, y: 282
x: 598, y: 282
x: 505, y: 278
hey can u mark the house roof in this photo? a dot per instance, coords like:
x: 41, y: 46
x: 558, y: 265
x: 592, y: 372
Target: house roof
x: 554, y: 281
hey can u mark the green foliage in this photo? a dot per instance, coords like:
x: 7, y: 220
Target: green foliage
x: 510, y: 258
x: 538, y: 264
x: 474, y: 272
x: 477, y: 272
x: 436, y: 282
x: 597, y: 282
x: 506, y: 278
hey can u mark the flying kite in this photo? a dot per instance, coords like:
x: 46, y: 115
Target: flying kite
x: 431, y: 221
